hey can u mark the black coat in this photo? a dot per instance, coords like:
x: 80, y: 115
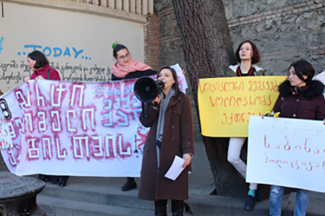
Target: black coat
x: 306, y: 102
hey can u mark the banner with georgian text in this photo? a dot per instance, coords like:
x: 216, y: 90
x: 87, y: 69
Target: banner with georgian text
x: 225, y: 104
x: 286, y: 152
x: 74, y: 128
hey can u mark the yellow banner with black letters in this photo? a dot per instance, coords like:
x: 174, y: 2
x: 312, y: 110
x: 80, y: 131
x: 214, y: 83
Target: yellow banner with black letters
x: 225, y: 103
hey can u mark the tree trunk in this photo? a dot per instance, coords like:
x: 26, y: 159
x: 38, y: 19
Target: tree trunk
x: 208, y: 52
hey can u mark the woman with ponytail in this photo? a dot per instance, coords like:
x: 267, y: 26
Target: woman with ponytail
x: 127, y: 68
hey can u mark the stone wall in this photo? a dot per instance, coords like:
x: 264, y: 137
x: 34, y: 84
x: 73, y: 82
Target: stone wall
x: 284, y: 31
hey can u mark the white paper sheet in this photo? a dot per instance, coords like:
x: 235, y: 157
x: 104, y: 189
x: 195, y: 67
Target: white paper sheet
x: 181, y: 78
x: 175, y: 169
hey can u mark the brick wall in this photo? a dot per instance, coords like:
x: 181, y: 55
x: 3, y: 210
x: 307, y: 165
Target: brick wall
x: 151, y: 41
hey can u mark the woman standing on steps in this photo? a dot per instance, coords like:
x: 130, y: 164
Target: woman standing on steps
x: 247, y: 55
x: 171, y: 134
x: 300, y: 98
x: 39, y: 64
x: 127, y: 68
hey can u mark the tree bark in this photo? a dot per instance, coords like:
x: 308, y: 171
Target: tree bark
x: 208, y: 52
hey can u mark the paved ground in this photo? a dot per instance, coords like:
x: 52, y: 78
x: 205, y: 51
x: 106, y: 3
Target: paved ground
x: 200, y: 180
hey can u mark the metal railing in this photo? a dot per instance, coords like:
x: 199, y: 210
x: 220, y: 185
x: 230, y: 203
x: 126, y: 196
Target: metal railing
x: 142, y: 7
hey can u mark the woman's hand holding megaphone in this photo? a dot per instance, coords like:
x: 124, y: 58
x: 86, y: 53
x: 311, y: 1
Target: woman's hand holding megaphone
x: 156, y: 102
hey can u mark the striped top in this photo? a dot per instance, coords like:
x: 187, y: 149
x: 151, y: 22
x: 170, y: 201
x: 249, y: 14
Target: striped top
x: 251, y: 72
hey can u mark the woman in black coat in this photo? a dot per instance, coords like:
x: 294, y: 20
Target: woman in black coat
x: 300, y: 98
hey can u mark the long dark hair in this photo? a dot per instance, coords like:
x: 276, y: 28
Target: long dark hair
x: 256, y: 55
x: 39, y: 57
x: 175, y: 85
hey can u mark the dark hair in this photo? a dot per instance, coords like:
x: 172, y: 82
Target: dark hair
x: 175, y: 85
x: 39, y: 57
x: 303, y: 67
x: 256, y: 55
x: 117, y: 48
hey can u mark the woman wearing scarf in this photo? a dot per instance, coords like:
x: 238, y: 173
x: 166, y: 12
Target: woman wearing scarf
x: 171, y: 134
x: 127, y: 68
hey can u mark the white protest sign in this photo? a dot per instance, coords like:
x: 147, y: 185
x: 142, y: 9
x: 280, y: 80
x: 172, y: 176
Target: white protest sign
x: 286, y: 152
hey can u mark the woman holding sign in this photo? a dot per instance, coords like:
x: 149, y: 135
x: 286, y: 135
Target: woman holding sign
x: 39, y: 64
x: 171, y: 134
x: 301, y: 98
x: 247, y: 55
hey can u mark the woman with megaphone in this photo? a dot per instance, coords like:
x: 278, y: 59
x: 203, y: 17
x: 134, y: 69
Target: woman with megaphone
x: 171, y: 134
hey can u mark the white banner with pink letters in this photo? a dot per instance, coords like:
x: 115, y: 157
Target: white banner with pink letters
x: 71, y: 128
x: 74, y: 128
x: 286, y: 152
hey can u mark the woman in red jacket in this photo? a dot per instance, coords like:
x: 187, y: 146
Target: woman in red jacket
x: 39, y: 64
x: 300, y: 98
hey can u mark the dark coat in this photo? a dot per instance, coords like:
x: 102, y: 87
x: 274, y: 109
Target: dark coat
x: 306, y: 102
x: 178, y: 139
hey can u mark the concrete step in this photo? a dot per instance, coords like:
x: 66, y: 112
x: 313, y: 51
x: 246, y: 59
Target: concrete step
x: 109, y: 198
x: 113, y: 197
x: 98, y: 195
x: 61, y: 207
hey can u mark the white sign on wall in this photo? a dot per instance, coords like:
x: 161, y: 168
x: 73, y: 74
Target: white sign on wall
x: 78, y: 45
x: 286, y: 152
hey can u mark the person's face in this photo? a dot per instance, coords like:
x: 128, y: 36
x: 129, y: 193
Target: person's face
x: 31, y: 63
x: 246, y: 51
x: 295, y: 81
x: 123, y: 57
x: 167, y: 77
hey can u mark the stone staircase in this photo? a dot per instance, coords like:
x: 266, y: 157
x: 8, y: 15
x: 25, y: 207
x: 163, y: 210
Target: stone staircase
x: 102, y: 196
x: 91, y: 199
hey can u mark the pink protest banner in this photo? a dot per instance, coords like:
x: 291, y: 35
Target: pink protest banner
x: 286, y: 152
x: 74, y: 128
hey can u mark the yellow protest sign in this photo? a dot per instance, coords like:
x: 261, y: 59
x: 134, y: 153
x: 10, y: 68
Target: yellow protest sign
x: 225, y: 104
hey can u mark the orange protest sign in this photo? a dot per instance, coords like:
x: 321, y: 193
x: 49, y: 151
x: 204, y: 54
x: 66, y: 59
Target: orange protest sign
x: 225, y: 104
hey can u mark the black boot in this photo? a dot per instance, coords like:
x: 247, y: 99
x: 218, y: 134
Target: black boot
x: 63, y: 181
x: 129, y: 185
x: 177, y: 207
x: 44, y: 178
x: 160, y: 208
x: 54, y: 179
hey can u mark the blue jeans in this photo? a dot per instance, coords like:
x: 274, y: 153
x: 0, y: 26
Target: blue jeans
x: 276, y: 195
